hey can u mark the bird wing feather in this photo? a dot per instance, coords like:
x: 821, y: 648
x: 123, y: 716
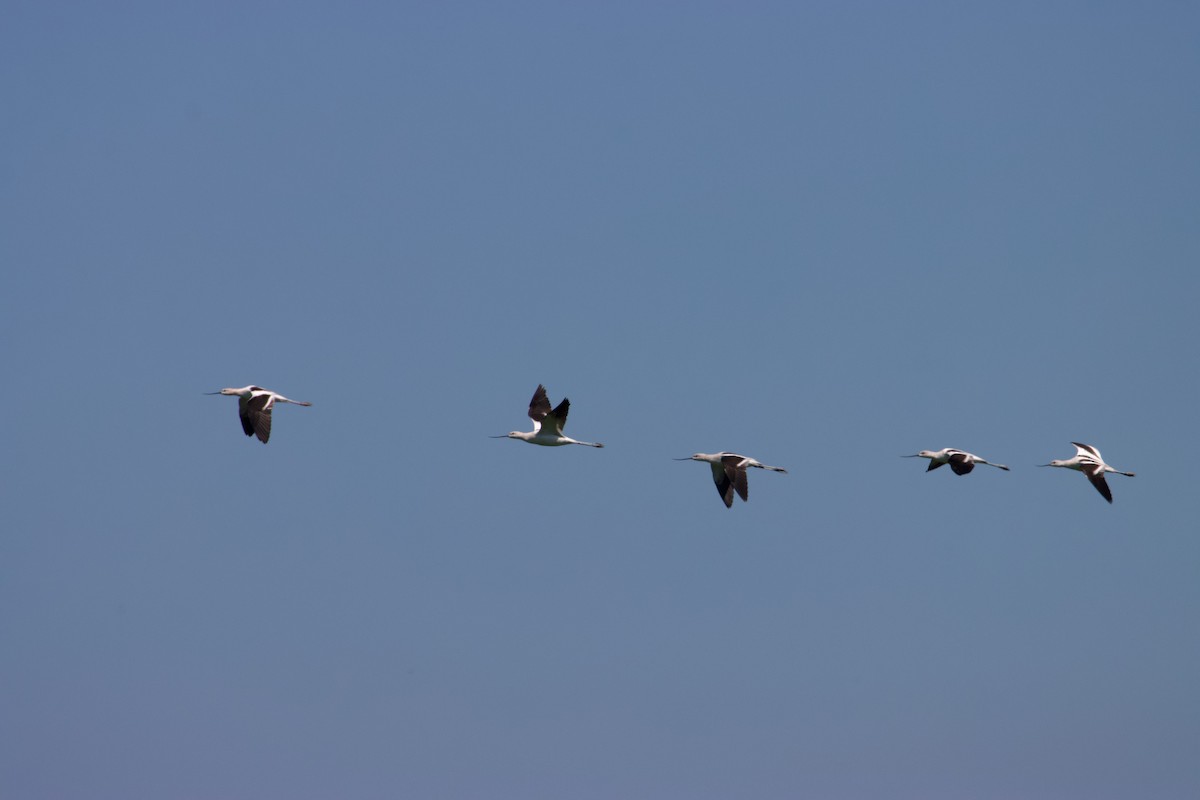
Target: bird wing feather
x: 557, y: 418
x: 539, y: 406
x: 245, y: 416
x: 724, y: 485
x: 255, y: 413
x: 735, y: 472
x: 961, y: 463
x: 1097, y: 479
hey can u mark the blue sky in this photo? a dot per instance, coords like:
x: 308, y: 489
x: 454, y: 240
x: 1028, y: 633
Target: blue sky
x: 822, y: 235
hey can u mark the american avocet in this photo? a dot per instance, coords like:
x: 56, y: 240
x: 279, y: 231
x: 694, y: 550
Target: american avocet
x: 729, y: 473
x: 254, y: 408
x: 1088, y: 461
x: 960, y: 461
x: 547, y: 424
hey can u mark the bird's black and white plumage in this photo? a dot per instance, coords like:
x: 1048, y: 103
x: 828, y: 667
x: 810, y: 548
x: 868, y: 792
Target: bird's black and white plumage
x: 960, y: 461
x: 1087, y: 460
x: 254, y: 408
x: 544, y: 419
x: 548, y: 423
x: 255, y: 413
x: 729, y: 473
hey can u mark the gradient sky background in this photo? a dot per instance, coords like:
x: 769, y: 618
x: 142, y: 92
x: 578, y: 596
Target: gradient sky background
x: 822, y: 235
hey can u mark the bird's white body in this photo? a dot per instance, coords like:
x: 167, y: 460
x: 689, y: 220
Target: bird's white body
x: 1087, y: 460
x: 547, y: 438
x: 254, y: 408
x: 960, y: 461
x: 547, y: 424
x: 729, y: 473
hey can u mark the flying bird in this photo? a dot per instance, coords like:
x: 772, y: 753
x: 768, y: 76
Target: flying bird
x: 547, y: 424
x: 729, y: 473
x: 254, y: 408
x: 1088, y: 461
x: 960, y: 461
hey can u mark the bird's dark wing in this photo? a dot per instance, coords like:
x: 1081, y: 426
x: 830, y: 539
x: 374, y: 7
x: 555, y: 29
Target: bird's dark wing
x: 262, y: 426
x: 934, y: 465
x: 961, y: 463
x: 736, y: 475
x: 557, y: 418
x: 724, y: 485
x: 245, y: 416
x: 539, y: 406
x: 256, y: 416
x: 1097, y: 479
